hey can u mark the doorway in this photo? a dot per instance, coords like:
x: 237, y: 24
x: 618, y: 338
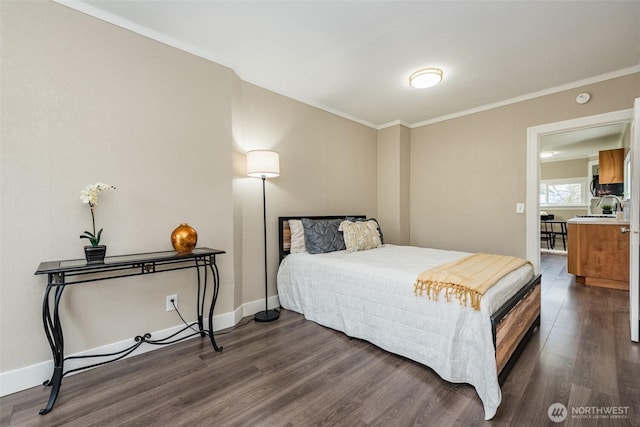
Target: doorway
x: 569, y: 186
x: 535, y: 136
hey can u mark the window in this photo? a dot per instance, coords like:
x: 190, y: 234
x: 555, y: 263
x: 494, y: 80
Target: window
x: 568, y: 192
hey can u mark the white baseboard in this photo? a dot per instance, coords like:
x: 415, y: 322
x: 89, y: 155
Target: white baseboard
x: 34, y: 375
x: 251, y: 308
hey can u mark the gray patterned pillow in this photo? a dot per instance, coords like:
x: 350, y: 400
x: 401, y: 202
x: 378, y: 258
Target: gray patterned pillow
x: 322, y: 235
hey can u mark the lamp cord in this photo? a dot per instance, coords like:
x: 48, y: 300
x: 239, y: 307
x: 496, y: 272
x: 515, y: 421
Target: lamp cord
x: 189, y: 325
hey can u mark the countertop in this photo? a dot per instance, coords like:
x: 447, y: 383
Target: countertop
x: 600, y: 221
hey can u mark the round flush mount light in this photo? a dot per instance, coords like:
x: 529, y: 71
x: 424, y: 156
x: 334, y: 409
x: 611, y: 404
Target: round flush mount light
x: 426, y: 77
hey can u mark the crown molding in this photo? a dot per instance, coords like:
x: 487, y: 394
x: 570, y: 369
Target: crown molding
x: 584, y: 82
x: 186, y: 47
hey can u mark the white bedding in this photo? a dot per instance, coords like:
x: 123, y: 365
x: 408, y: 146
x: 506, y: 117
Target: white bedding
x: 369, y: 295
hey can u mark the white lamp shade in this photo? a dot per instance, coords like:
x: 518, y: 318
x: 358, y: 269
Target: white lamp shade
x: 263, y: 163
x: 425, y: 78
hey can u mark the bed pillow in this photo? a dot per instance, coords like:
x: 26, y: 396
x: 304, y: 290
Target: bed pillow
x: 322, y: 235
x: 297, y: 236
x: 360, y: 235
x: 353, y: 219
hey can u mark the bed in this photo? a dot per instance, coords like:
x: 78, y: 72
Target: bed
x: 369, y: 294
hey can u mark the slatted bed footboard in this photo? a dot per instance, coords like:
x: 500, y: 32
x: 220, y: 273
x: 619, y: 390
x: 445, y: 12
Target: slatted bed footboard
x: 513, y: 324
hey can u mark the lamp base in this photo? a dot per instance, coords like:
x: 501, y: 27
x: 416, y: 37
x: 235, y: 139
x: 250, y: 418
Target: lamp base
x: 266, y: 316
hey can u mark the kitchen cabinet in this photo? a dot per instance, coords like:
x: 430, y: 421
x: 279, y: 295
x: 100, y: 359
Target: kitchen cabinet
x: 598, y: 252
x: 611, y: 166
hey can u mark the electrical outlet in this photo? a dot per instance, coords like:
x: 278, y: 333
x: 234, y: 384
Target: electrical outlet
x: 169, y: 305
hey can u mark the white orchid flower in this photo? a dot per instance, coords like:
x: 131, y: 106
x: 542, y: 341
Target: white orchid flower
x: 89, y: 195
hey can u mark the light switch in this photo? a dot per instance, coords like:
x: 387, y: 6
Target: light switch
x: 520, y: 208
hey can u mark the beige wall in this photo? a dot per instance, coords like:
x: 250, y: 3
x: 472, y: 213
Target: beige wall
x: 86, y: 101
x: 467, y: 174
x: 83, y: 100
x: 393, y: 183
x: 327, y: 167
x: 576, y: 168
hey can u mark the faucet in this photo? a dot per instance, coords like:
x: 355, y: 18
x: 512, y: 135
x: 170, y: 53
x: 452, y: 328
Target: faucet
x: 616, y: 203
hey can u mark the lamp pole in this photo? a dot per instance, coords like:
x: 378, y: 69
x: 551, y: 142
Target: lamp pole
x: 264, y: 164
x: 266, y: 315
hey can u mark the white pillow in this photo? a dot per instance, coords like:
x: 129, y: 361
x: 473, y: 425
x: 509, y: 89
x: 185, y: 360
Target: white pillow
x: 297, y: 236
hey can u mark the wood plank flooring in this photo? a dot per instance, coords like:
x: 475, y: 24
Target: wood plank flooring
x: 295, y: 373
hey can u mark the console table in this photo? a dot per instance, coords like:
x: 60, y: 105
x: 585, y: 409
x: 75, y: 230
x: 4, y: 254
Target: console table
x: 71, y: 272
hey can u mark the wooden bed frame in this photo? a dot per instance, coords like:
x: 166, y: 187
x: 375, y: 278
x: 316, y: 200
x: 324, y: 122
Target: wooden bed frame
x: 512, y: 325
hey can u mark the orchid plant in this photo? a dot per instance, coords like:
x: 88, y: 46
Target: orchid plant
x: 89, y: 195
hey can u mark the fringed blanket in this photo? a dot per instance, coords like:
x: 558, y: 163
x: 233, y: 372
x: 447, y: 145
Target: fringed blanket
x: 468, y: 278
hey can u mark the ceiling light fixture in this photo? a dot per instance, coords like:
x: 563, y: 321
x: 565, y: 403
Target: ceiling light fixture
x: 427, y: 77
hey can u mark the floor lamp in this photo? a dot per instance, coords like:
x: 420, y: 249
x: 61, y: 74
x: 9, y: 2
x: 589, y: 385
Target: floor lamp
x: 264, y: 164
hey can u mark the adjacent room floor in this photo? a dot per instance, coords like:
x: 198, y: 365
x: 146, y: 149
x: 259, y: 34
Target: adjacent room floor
x: 295, y: 373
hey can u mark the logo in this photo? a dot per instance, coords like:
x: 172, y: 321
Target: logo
x: 557, y: 412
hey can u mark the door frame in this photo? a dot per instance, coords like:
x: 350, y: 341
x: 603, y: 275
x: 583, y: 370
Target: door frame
x: 534, y: 134
x: 634, y: 225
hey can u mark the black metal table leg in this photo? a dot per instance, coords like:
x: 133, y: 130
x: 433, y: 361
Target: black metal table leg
x: 55, y: 383
x: 62, y: 273
x: 53, y: 331
x: 216, y: 286
x: 200, y: 296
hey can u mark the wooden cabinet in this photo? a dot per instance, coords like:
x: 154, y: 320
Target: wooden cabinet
x: 611, y: 166
x: 598, y: 254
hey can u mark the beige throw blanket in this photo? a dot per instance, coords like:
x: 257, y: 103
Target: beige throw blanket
x: 468, y: 278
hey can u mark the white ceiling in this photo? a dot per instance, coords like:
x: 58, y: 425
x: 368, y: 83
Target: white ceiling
x: 583, y: 143
x: 354, y: 58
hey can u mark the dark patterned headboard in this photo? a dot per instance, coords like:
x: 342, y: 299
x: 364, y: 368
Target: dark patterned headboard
x: 284, y: 233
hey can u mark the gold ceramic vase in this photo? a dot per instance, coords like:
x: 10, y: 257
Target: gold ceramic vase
x: 184, y: 239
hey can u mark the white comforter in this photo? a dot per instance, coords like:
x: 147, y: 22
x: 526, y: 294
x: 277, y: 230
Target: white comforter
x: 369, y: 295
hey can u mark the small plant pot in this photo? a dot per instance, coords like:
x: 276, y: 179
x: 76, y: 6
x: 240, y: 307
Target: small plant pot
x: 607, y: 211
x: 95, y: 254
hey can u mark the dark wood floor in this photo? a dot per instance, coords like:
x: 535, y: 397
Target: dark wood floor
x: 295, y: 373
